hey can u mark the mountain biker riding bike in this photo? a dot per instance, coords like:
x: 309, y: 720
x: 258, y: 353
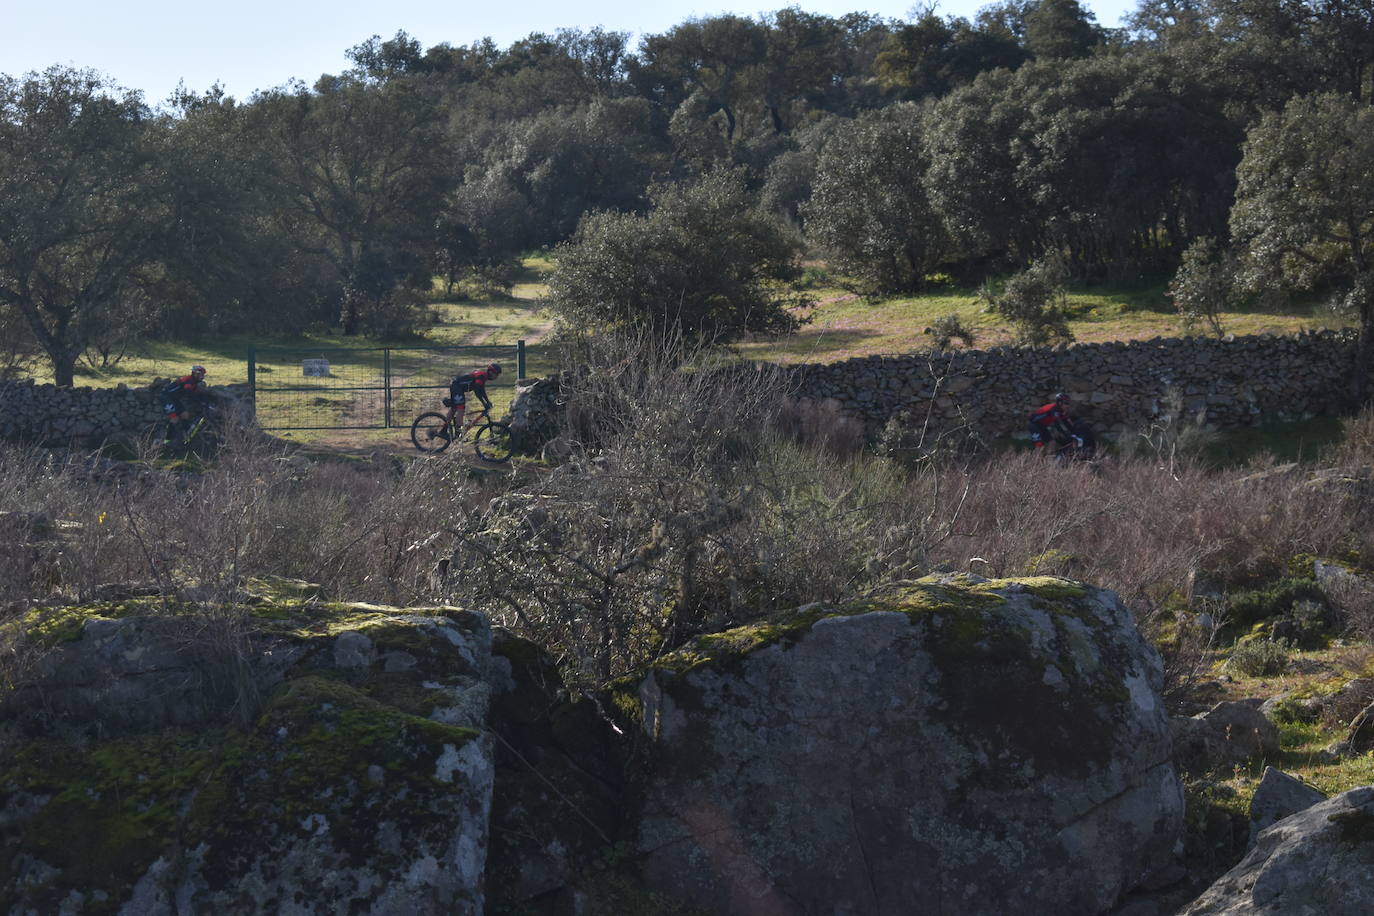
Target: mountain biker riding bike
x: 1052, y: 423
x: 474, y: 381
x: 177, y: 395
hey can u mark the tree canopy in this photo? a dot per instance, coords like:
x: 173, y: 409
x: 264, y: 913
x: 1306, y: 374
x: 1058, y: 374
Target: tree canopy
x: 1304, y: 211
x: 891, y: 149
x: 699, y: 260
x: 84, y: 208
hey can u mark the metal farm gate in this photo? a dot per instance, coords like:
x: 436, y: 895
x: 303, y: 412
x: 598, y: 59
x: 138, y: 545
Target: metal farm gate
x: 367, y: 388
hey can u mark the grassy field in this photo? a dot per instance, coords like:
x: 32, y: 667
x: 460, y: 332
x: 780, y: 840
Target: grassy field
x: 841, y: 325
x: 844, y: 325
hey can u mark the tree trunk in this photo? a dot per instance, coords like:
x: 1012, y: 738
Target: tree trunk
x: 1364, y: 353
x: 64, y: 369
x: 349, y: 315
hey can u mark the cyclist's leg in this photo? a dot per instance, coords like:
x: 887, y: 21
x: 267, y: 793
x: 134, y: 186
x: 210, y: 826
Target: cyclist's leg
x: 171, y: 436
x: 459, y: 408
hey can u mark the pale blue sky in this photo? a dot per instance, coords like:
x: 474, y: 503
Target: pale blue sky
x: 257, y: 44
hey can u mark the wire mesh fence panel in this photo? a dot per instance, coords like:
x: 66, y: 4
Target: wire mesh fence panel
x: 368, y: 388
x: 319, y: 389
x: 420, y: 377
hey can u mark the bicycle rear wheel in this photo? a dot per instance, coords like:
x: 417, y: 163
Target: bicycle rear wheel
x: 430, y: 432
x: 493, y: 442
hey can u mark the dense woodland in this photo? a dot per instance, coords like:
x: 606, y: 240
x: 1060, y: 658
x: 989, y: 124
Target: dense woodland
x: 680, y: 180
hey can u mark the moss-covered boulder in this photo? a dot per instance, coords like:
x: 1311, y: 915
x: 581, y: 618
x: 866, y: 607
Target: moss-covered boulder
x: 308, y: 758
x: 956, y: 745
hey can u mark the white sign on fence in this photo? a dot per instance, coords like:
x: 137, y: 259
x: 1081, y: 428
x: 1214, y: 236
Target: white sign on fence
x: 314, y: 367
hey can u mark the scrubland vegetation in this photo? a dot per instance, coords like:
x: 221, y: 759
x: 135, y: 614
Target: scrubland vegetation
x: 1215, y: 155
x: 690, y: 502
x: 801, y: 188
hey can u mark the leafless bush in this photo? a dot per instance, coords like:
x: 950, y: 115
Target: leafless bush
x: 1140, y: 526
x: 818, y: 424
x: 1175, y: 439
x: 1188, y: 647
x: 1356, y: 446
x: 1353, y: 598
x: 684, y: 510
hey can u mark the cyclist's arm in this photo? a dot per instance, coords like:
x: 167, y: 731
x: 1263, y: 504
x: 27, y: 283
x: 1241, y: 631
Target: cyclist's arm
x: 481, y: 392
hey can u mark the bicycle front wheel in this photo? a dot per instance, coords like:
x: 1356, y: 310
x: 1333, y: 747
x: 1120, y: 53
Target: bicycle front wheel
x: 430, y: 432
x: 493, y: 442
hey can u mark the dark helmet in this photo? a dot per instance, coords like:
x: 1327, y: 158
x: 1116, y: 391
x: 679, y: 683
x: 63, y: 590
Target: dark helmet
x: 1061, y: 398
x: 198, y: 371
x: 494, y: 369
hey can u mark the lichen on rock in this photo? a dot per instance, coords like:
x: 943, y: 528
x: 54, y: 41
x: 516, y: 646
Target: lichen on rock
x: 896, y: 752
x: 367, y: 785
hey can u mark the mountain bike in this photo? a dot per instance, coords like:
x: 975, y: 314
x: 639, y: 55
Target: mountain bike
x: 491, y: 439
x: 197, y: 434
x: 1080, y: 445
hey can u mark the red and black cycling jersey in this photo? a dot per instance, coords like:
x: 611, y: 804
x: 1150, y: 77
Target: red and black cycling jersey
x: 1049, y: 415
x: 176, y: 392
x: 474, y: 381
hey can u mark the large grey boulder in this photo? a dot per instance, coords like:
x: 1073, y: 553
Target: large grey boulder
x: 1318, y: 861
x: 956, y: 746
x: 349, y: 774
x: 1227, y: 735
x: 1277, y: 796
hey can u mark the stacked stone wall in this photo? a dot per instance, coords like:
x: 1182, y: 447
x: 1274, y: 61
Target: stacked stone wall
x: 49, y: 415
x: 1116, y: 386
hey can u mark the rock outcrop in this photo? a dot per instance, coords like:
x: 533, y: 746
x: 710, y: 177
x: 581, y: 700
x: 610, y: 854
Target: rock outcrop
x: 1227, y: 735
x: 957, y: 746
x: 1278, y: 796
x: 1320, y: 860
x: 361, y: 781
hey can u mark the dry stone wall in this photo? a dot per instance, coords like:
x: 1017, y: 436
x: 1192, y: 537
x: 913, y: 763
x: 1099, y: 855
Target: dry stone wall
x: 49, y: 415
x: 1117, y: 386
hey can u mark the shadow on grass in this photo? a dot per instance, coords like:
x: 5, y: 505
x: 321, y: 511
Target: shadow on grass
x: 1293, y: 440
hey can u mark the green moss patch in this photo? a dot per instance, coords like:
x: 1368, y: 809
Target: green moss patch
x: 1357, y: 825
x: 322, y: 751
x: 1053, y: 694
x: 112, y: 811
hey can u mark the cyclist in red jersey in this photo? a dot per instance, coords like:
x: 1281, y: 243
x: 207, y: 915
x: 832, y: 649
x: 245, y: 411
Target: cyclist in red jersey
x: 474, y: 381
x: 1051, y: 423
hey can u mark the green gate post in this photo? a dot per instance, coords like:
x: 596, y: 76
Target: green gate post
x: 519, y: 359
x: 253, y: 380
x: 386, y: 384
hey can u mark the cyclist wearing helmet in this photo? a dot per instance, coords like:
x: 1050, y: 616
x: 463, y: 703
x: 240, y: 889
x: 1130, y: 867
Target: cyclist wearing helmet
x: 474, y: 381
x: 175, y: 397
x: 1051, y: 422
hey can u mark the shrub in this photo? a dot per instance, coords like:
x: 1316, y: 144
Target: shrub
x: 1175, y: 437
x: 1260, y: 657
x: 673, y: 517
x: 948, y: 328
x: 702, y: 261
x: 1306, y: 624
x: 1274, y: 600
x: 1353, y: 598
x: 1204, y: 284
x: 1034, y: 300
